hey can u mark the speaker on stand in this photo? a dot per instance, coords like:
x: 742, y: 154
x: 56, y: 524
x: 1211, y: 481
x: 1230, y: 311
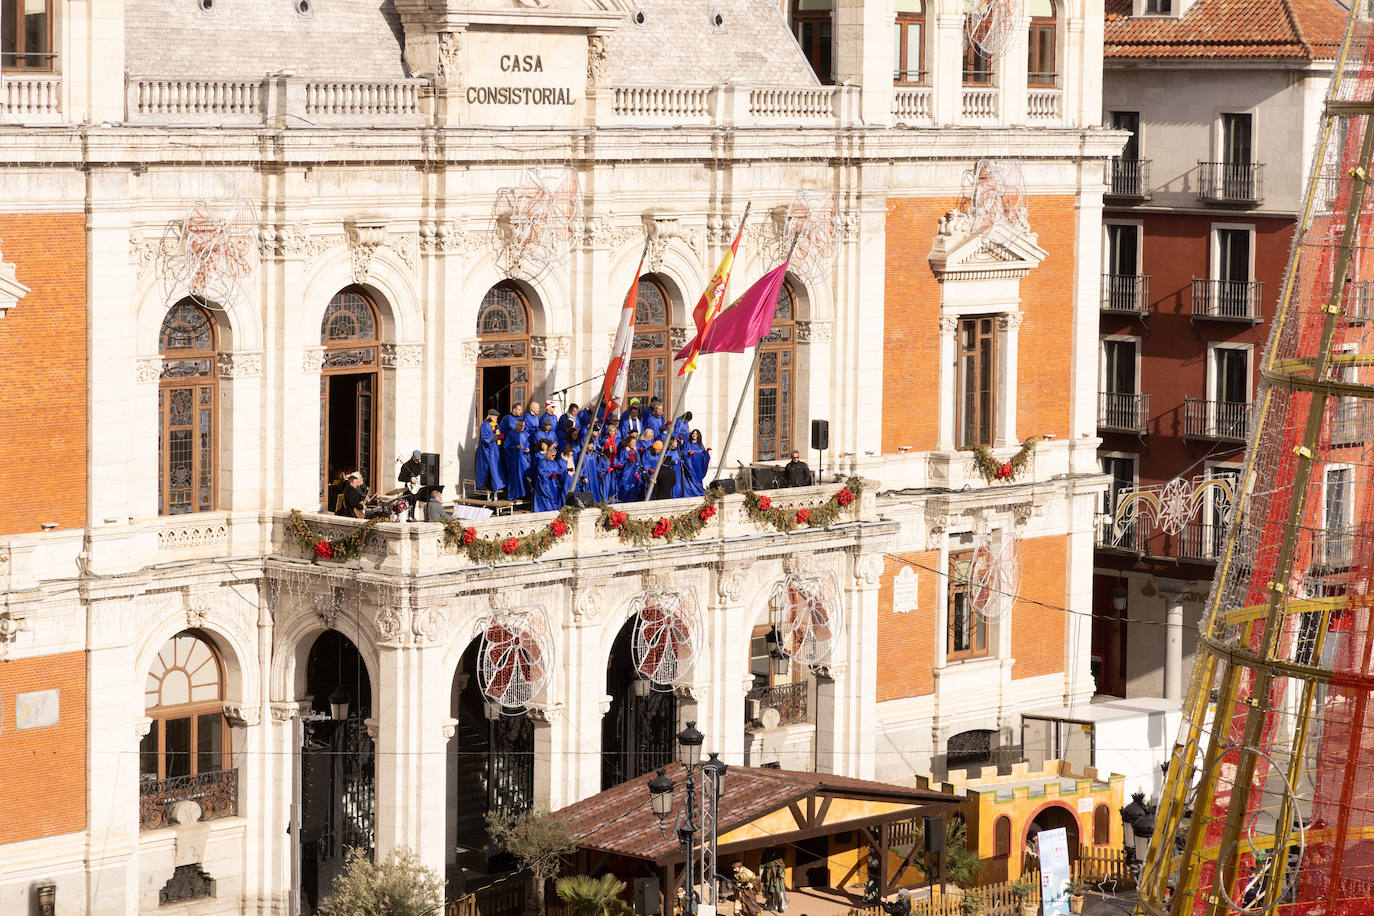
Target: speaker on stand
x: 820, y: 441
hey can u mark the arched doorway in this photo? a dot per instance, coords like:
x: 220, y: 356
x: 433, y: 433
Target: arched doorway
x: 638, y: 732
x: 1049, y: 818
x: 187, y: 418
x: 338, y: 779
x: 490, y: 768
x: 503, y: 354
x: 651, y: 362
x: 775, y: 383
x: 349, y: 387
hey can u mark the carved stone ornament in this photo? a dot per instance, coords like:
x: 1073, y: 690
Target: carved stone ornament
x: 603, y: 705
x: 449, y: 728
x: 390, y: 626
x: 1021, y: 513
x: 284, y: 712
x: 142, y: 725
x: 471, y: 350
x: 11, y: 290
x: 598, y: 61
x: 284, y: 241
x: 371, y: 725
x: 997, y: 252
x: 591, y: 601
x: 402, y: 356
x: 746, y: 685
x: 936, y: 526
x: 435, y: 237
x: 869, y: 569
x: 730, y: 585
x: 450, y: 51
x: 428, y: 625
x: 363, y: 242
x: 548, y: 712
x: 696, y: 693
x: 328, y: 607
x: 312, y: 360
x: 241, y: 716
x: 949, y: 324
x: 550, y: 347
x: 239, y: 365
x: 813, y: 332
x: 1009, y: 321
x: 677, y: 338
x: 148, y: 369
x: 833, y: 671
x: 195, y: 617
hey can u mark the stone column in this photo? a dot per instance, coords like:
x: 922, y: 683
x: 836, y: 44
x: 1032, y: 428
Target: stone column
x: 1008, y: 326
x: 947, y: 69
x: 949, y: 328
x: 863, y: 55
x: 1172, y: 592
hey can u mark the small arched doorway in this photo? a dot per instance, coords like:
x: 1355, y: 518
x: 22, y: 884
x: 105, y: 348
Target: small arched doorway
x: 651, y: 362
x: 338, y: 779
x: 775, y: 383
x: 639, y: 731
x: 350, y: 387
x: 1048, y: 818
x: 490, y: 768
x: 503, y: 352
x: 187, y: 414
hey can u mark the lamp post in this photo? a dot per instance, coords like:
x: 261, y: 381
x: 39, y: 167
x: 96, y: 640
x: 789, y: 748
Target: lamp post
x: 1133, y: 819
x: 698, y: 815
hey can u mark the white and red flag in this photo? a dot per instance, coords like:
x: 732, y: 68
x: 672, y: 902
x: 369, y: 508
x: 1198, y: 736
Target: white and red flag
x: 618, y: 370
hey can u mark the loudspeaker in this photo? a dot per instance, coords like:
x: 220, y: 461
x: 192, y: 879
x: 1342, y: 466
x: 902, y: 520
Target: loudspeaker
x: 764, y: 477
x: 725, y: 485
x: 820, y: 435
x: 430, y: 475
x: 580, y: 499
x: 934, y: 833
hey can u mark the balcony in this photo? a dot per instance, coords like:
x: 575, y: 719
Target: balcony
x: 216, y: 792
x: 1123, y: 413
x: 1044, y: 105
x: 980, y: 105
x: 30, y: 99
x: 911, y: 105
x: 1334, y: 548
x: 788, y: 699
x: 1128, y: 180
x: 1222, y: 421
x: 1201, y: 541
x: 1352, y: 422
x: 1227, y: 300
x: 1125, y: 294
x: 1230, y: 183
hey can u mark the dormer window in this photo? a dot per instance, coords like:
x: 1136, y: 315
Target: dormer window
x: 1159, y: 7
x: 909, y: 56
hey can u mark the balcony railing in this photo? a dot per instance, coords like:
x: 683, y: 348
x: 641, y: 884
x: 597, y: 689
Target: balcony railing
x: 1128, y: 179
x: 30, y: 99
x: 1227, y: 300
x: 1125, y: 294
x: 1225, y: 421
x: 911, y: 105
x: 1230, y: 182
x: 1123, y: 413
x: 216, y: 792
x: 1200, y: 541
x: 980, y: 104
x: 788, y: 699
x: 1044, y: 104
x: 1353, y: 422
x: 1334, y: 548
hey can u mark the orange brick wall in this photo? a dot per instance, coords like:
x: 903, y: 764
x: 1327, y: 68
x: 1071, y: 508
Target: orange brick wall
x: 906, y: 642
x: 43, y: 770
x: 1037, y: 632
x: 43, y: 374
x: 911, y: 345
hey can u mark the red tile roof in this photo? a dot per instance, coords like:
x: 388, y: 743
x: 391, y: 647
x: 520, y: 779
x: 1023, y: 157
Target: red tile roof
x: 620, y: 822
x: 1269, y: 29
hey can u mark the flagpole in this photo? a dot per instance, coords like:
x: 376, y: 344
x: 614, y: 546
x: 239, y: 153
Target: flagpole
x: 682, y: 396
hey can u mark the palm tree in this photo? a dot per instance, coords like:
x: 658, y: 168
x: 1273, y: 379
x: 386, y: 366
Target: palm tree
x: 590, y: 896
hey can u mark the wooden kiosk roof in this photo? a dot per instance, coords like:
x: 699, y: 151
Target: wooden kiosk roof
x: 760, y: 807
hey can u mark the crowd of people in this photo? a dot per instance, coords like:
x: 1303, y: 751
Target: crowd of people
x: 536, y: 455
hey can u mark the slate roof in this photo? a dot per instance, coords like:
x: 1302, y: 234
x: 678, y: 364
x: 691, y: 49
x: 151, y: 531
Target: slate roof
x: 619, y: 820
x: 1233, y: 29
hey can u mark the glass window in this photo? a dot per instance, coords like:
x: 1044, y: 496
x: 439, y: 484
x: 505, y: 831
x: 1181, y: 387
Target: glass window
x: 813, y: 24
x: 977, y: 380
x: 26, y: 35
x: 651, y: 363
x: 775, y: 404
x: 909, y: 55
x: 184, y: 696
x: 967, y: 631
x: 187, y: 415
x: 349, y: 316
x: 977, y: 62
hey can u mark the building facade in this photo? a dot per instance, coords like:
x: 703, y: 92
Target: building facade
x: 1201, y: 210
x: 249, y: 244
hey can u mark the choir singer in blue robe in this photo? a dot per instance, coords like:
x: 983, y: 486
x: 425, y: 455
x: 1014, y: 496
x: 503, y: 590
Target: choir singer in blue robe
x: 488, y: 474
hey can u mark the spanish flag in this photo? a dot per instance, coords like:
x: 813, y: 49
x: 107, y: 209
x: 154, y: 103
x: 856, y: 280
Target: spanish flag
x: 708, y: 306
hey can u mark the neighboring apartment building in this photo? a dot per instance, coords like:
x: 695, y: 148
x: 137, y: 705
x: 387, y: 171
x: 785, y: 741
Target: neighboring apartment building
x: 1222, y: 101
x: 197, y: 708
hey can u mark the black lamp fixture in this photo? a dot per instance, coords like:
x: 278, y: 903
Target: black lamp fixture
x: 1119, y: 598
x: 1144, y: 829
x: 1133, y: 812
x: 661, y: 797
x: 715, y: 767
x: 338, y: 704
x: 689, y: 742
x: 781, y: 662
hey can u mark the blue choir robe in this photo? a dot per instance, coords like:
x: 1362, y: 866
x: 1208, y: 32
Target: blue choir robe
x: 681, y: 431
x: 629, y: 477
x: 629, y: 424
x: 507, y: 425
x: 584, y: 417
x: 548, y: 476
x: 594, y: 471
x: 695, y: 459
x: 515, y: 456
x: 656, y: 424
x: 546, y: 435
x: 488, y: 474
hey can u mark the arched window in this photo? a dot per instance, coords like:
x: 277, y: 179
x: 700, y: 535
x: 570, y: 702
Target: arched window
x: 909, y: 56
x: 651, y: 363
x: 349, y: 331
x: 813, y: 23
x: 1102, y: 825
x: 1042, y: 67
x: 184, y: 696
x: 349, y: 387
x: 503, y: 355
x: 1001, y: 838
x: 775, y: 405
x: 186, y: 411
x: 977, y: 62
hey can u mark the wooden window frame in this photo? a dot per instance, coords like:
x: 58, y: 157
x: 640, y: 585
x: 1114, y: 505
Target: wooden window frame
x: 903, y: 71
x: 985, y: 328
x: 18, y: 60
x: 1039, y: 76
x: 373, y: 474
x: 161, y: 715
x: 664, y: 352
x: 781, y: 339
x: 978, y: 626
x: 171, y: 382
x: 484, y: 339
x: 977, y: 67
x: 817, y: 19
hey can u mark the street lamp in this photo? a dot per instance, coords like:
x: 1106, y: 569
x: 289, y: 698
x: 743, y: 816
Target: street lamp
x: 661, y: 796
x: 1144, y: 829
x: 1119, y: 598
x: 781, y: 662
x: 699, y: 814
x: 1129, y: 815
x: 338, y: 704
x: 690, y: 740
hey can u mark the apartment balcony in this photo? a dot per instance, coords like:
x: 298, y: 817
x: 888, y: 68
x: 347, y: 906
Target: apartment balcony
x: 1044, y: 106
x: 1128, y: 180
x: 30, y: 99
x: 1227, y: 300
x: 1220, y: 421
x: 788, y: 700
x: 980, y: 105
x: 1123, y: 413
x: 1230, y: 183
x: 912, y: 105
x: 1127, y: 536
x: 1125, y: 294
x: 1352, y: 422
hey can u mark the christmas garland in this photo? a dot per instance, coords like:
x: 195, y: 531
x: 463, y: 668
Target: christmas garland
x: 343, y: 548
x: 684, y: 526
x: 488, y: 550
x: 760, y: 509
x: 993, y: 470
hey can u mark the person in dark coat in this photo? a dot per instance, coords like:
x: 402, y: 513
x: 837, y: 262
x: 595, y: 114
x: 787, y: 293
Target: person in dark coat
x: 353, y: 496
x: 488, y: 473
x: 796, y: 473
x: 665, y: 487
x: 409, y: 478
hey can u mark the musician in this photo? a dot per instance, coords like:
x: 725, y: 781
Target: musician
x: 434, y: 507
x: 353, y: 496
x: 409, y: 478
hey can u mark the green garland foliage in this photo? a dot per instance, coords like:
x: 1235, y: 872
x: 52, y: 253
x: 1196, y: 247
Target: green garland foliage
x: 489, y: 550
x: 760, y: 509
x: 684, y: 526
x: 343, y: 548
x: 992, y: 470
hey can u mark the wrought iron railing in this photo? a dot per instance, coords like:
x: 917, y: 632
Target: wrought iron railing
x: 1126, y: 294
x: 1223, y: 420
x: 1353, y: 422
x: 788, y: 699
x: 1227, y: 300
x: 1201, y: 541
x: 1121, y: 412
x: 217, y: 793
x: 1129, y: 179
x: 1334, y: 548
x: 1230, y: 182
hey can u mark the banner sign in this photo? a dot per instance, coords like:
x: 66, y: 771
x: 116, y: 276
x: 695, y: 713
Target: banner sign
x: 1054, y: 871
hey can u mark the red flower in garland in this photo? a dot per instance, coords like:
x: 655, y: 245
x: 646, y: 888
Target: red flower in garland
x: 323, y: 550
x: 706, y: 513
x: 844, y: 497
x: 618, y: 519
x: 1004, y: 472
x: 510, y: 545
x: 662, y: 527
x: 803, y: 515
x: 559, y: 527
x: 469, y: 535
x: 765, y: 503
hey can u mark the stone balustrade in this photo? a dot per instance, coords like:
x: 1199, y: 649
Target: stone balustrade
x: 1044, y: 105
x: 981, y: 105
x: 30, y: 99
x: 288, y: 100
x: 912, y: 106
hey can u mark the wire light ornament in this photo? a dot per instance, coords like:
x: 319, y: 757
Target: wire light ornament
x: 805, y: 608
x: 813, y: 218
x: 536, y: 223
x: 1171, y: 507
x: 515, y: 657
x: 210, y: 252
x: 994, y: 194
x: 995, y: 576
x: 1268, y: 803
x: 989, y: 24
x: 667, y: 636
